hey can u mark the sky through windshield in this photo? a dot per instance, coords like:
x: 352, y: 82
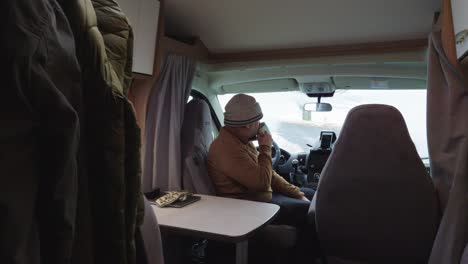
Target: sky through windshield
x: 283, y: 113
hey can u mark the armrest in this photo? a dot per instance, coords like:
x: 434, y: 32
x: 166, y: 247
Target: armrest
x: 311, y: 213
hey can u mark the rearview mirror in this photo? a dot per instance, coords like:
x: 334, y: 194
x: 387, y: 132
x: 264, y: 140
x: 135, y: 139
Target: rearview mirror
x: 317, y: 107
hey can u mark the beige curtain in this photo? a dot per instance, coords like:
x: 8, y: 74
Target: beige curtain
x: 162, y: 166
x: 447, y: 126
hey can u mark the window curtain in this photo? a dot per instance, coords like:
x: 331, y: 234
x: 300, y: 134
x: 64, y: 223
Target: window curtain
x: 162, y: 149
x: 447, y: 126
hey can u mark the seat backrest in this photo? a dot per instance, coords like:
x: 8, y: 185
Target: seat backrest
x: 197, y: 136
x: 375, y: 201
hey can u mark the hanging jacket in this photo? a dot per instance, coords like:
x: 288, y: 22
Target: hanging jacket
x: 118, y: 38
x: 109, y: 195
x: 39, y: 133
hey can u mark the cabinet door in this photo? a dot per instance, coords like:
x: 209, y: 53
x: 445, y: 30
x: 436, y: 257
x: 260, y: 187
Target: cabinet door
x: 143, y: 16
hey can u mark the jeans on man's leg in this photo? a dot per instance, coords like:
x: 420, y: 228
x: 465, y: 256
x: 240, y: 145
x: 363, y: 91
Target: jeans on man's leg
x: 293, y: 211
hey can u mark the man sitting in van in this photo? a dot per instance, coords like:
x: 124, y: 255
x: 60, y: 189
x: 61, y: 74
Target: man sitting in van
x: 238, y: 170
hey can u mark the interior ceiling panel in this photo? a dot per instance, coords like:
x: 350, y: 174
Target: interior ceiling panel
x: 249, y: 25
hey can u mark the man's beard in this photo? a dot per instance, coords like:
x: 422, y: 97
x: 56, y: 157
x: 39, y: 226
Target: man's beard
x: 254, y: 136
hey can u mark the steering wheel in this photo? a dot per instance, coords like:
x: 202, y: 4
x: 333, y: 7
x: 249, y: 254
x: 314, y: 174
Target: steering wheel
x: 275, y: 155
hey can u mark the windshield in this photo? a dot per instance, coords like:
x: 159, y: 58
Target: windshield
x: 283, y: 112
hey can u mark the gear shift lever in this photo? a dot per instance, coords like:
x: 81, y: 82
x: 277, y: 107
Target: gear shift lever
x: 292, y: 175
x: 295, y: 162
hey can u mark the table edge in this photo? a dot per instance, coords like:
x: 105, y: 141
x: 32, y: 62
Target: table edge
x: 215, y: 236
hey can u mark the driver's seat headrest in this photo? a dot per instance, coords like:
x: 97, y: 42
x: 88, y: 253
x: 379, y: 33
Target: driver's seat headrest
x: 197, y: 136
x: 375, y: 201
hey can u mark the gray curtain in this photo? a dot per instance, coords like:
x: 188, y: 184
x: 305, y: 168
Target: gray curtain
x: 162, y: 148
x: 447, y: 126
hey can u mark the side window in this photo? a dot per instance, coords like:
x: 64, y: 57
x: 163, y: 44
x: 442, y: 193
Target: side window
x: 190, y: 98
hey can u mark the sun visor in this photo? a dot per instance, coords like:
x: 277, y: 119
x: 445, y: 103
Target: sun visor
x: 377, y: 83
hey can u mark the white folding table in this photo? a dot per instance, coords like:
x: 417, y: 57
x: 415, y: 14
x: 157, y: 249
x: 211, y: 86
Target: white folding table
x: 218, y: 218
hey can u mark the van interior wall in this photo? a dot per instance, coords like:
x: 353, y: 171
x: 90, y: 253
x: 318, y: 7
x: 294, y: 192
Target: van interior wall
x: 143, y: 84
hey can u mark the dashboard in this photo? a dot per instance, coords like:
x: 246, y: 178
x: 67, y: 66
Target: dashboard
x: 303, y: 169
x: 309, y: 166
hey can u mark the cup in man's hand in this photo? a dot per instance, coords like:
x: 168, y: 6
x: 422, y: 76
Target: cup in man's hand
x: 263, y: 129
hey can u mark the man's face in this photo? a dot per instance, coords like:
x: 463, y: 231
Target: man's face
x: 253, y: 129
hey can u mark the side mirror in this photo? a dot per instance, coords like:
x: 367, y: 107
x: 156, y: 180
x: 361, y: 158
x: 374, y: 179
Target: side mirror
x: 317, y: 107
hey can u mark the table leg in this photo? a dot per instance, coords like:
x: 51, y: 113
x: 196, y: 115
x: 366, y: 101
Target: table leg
x: 242, y: 254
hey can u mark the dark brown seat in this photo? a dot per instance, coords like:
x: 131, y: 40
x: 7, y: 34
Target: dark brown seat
x: 375, y: 201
